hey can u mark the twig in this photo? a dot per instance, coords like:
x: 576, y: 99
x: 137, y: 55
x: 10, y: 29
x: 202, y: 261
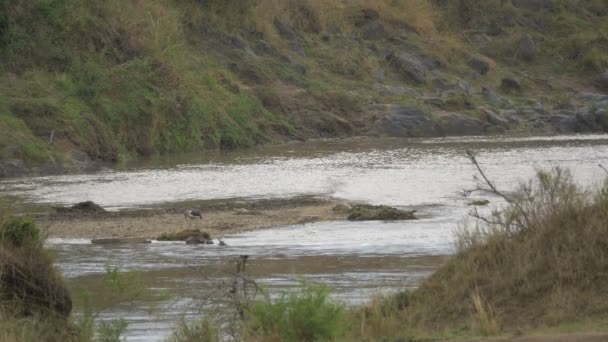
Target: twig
x: 603, y: 168
x: 485, y: 178
x: 492, y: 189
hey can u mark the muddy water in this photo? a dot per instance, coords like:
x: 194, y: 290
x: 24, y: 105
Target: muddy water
x: 397, y: 172
x: 373, y: 258
x: 357, y: 259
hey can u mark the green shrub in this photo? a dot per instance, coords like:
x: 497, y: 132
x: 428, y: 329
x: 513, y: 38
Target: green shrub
x: 193, y: 332
x: 306, y: 315
x: 112, y: 331
x: 19, y: 231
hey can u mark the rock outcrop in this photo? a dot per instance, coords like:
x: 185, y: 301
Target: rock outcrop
x: 456, y: 124
x: 527, y: 49
x: 12, y: 168
x: 402, y: 121
x: 82, y: 207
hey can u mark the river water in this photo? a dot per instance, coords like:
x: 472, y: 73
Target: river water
x: 358, y: 260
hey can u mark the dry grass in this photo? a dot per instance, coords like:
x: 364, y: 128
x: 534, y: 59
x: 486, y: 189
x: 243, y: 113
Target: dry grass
x: 541, y: 260
x: 418, y: 14
x: 315, y: 16
x: 485, y: 319
x: 34, y: 303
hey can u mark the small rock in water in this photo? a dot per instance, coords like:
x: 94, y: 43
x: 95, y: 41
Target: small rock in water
x: 82, y: 207
x: 184, y: 235
x: 342, y: 208
x: 198, y: 240
x: 379, y: 213
x: 479, y: 203
x: 309, y: 219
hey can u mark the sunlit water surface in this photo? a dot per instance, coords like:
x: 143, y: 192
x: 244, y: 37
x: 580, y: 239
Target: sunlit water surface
x: 358, y: 260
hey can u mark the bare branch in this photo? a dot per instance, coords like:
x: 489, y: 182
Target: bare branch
x: 486, y: 180
x: 492, y: 189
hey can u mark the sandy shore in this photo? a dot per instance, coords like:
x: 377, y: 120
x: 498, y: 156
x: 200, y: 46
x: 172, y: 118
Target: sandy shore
x: 220, y: 218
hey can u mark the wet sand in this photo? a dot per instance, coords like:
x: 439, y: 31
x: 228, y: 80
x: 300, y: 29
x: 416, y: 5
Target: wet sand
x: 220, y: 217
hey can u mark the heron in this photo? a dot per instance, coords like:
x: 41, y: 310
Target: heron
x: 193, y: 214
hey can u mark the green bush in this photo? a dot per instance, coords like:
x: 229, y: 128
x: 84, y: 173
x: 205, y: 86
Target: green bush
x: 19, y: 231
x: 112, y: 331
x: 306, y: 315
x: 193, y: 332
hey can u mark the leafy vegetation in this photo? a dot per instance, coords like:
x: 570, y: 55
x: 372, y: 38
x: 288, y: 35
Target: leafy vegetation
x: 116, y: 79
x: 308, y: 315
x: 193, y: 332
x: 18, y: 232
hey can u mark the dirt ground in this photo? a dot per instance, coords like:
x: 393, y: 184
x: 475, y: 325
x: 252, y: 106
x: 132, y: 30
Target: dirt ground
x: 219, y: 218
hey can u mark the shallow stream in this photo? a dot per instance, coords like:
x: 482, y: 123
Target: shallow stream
x: 358, y: 260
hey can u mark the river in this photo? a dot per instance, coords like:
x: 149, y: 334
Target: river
x: 358, y: 260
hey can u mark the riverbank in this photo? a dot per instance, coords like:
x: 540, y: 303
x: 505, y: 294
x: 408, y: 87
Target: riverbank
x: 220, y: 217
x: 210, y: 76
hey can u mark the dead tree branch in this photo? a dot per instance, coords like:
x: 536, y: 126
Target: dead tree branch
x: 492, y: 188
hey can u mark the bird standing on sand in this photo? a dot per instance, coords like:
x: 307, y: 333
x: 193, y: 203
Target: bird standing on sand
x: 193, y: 214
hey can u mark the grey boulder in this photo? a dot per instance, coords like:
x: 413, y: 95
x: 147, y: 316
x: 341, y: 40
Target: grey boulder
x: 458, y: 124
x: 12, y: 168
x: 403, y: 121
x: 527, y: 49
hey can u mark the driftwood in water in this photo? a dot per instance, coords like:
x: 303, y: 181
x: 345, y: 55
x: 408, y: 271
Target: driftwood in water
x: 112, y: 241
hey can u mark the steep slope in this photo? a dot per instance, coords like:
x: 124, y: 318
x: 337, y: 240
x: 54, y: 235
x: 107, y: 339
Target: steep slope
x: 85, y: 81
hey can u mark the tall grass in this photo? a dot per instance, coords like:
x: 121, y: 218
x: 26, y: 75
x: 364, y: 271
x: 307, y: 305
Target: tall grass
x: 571, y: 34
x: 121, y: 79
x: 34, y: 302
x: 541, y: 260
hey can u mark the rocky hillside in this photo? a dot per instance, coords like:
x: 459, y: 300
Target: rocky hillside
x: 87, y: 81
